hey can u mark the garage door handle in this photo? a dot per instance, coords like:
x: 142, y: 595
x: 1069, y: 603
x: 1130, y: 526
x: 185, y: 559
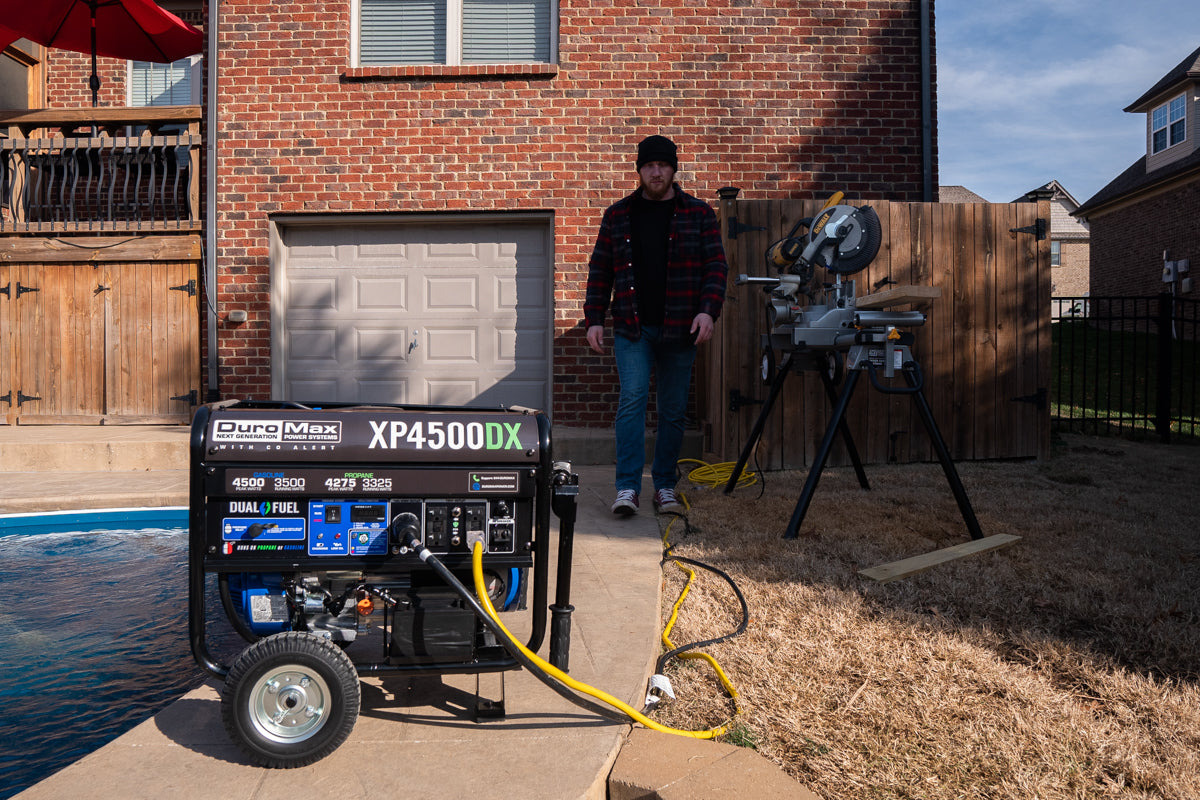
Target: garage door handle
x: 413, y: 344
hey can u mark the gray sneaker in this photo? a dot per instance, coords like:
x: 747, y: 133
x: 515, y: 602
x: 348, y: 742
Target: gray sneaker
x: 667, y: 502
x: 626, y: 504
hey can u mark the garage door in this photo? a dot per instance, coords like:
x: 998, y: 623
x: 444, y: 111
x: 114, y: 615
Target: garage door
x: 429, y: 313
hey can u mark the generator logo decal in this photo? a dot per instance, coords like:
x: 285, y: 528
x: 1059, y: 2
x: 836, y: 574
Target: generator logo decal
x: 276, y: 430
x: 264, y: 508
x: 437, y: 435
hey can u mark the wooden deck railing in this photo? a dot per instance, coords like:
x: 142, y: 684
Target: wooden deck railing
x: 100, y: 170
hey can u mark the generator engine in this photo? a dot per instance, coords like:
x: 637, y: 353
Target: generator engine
x: 319, y: 527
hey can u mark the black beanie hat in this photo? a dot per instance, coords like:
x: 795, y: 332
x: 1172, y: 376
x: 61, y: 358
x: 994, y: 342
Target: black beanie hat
x: 657, y: 148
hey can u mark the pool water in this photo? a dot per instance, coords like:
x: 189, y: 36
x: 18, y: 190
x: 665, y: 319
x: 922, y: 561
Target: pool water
x: 93, y: 640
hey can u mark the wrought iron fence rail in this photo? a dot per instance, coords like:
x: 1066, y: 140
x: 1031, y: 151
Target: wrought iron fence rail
x: 98, y: 183
x: 1126, y: 363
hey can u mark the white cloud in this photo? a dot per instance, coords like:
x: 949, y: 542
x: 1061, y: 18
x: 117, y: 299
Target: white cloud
x: 1029, y: 91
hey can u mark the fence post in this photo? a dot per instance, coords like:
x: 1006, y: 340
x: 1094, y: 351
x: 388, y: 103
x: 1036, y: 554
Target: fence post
x: 1162, y: 416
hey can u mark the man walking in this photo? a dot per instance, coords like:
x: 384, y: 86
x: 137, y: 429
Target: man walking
x: 658, y: 265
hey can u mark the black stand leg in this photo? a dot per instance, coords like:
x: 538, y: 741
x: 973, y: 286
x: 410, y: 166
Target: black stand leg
x: 831, y: 393
x: 837, y: 423
x: 939, y: 444
x: 814, y: 472
x: 756, y: 431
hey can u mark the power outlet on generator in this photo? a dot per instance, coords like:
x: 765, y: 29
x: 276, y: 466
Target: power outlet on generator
x: 437, y: 529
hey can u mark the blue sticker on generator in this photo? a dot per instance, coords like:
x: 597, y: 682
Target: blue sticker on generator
x: 259, y: 529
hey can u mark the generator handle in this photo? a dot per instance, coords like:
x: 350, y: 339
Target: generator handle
x: 196, y: 594
x: 564, y: 503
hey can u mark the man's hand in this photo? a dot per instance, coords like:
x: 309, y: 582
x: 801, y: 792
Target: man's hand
x: 702, y: 327
x: 595, y: 337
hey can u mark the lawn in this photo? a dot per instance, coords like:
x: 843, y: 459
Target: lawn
x: 1111, y: 377
x: 1063, y: 666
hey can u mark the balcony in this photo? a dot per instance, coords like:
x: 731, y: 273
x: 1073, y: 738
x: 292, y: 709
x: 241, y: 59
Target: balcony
x: 99, y: 171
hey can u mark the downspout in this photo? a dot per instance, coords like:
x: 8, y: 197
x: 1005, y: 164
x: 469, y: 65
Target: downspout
x: 210, y: 210
x: 927, y: 194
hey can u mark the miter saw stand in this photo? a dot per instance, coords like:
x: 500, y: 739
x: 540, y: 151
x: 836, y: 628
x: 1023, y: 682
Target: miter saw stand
x: 859, y: 333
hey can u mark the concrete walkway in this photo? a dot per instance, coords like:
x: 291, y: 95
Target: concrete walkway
x: 415, y: 736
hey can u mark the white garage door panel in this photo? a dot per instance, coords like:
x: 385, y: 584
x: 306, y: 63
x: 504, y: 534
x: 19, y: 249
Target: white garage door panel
x: 452, y: 293
x: 511, y: 293
x: 381, y: 346
x: 314, y: 345
x: 313, y: 388
x: 525, y: 346
x: 381, y: 294
x: 370, y: 391
x: 429, y: 313
x: 313, y: 294
x: 460, y: 345
x: 450, y: 392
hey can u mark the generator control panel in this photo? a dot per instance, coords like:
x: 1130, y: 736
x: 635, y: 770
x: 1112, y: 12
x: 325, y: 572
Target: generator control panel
x: 299, y: 489
x: 362, y: 528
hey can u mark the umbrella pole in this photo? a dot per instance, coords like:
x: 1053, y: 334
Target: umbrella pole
x: 94, y: 81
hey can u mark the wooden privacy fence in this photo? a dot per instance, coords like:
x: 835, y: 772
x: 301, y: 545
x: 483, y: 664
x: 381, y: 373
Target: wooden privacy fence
x: 984, y: 348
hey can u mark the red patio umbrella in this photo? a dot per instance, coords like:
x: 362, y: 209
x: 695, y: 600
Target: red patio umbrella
x: 129, y: 29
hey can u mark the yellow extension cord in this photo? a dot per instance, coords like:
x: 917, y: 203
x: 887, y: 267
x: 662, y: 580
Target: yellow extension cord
x: 714, y: 475
x: 555, y: 672
x: 666, y: 634
x: 710, y: 476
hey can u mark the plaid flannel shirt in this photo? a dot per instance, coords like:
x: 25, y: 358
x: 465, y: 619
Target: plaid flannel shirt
x: 696, y: 269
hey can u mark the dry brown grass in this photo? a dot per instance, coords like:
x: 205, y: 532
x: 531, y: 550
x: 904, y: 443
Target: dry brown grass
x: 1064, y: 666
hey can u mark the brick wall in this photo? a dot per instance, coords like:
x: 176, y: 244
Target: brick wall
x: 1070, y: 278
x: 67, y: 77
x: 779, y: 98
x: 1127, y: 244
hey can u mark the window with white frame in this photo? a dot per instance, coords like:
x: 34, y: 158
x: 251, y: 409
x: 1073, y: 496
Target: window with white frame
x: 1168, y: 124
x: 1055, y: 253
x: 174, y: 84
x: 403, y: 32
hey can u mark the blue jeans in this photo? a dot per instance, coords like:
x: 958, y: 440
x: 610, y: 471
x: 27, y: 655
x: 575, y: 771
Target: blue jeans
x: 672, y: 368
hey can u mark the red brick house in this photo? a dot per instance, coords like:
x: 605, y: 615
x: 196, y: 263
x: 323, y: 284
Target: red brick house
x: 1069, y: 244
x: 402, y: 196
x: 1151, y: 208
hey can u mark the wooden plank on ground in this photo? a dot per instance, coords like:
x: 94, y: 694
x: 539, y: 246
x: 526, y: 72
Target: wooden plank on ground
x: 898, y: 295
x: 885, y: 573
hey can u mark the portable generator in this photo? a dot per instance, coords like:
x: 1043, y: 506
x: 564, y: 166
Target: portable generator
x: 341, y: 540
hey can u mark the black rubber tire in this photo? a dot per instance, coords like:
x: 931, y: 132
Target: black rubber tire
x: 290, y: 700
x: 767, y: 368
x: 833, y: 366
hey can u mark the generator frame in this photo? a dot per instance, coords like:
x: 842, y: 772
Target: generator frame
x: 264, y: 487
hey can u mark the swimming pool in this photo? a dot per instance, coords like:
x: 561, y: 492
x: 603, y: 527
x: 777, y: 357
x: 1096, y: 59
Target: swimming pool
x: 93, y: 632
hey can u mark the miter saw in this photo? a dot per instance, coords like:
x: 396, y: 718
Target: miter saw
x: 842, y: 239
x: 825, y: 327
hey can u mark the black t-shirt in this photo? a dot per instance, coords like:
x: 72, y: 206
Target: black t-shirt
x: 651, y: 225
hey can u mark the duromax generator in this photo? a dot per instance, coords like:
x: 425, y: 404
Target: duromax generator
x: 341, y: 540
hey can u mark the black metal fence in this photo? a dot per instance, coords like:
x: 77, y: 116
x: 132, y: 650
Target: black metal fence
x: 1126, y: 365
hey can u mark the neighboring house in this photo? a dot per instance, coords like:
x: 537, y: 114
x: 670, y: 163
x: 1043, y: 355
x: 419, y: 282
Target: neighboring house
x: 406, y: 194
x: 1069, y: 241
x: 958, y: 194
x: 1148, y: 214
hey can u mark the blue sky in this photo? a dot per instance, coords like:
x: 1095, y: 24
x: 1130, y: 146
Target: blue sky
x: 1030, y: 92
